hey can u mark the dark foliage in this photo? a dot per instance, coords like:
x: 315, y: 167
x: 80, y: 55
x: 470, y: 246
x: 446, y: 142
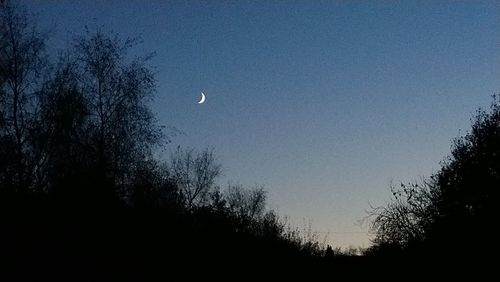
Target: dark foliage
x: 80, y: 190
x: 457, y: 208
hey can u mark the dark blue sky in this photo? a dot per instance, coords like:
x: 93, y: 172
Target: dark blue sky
x: 323, y: 102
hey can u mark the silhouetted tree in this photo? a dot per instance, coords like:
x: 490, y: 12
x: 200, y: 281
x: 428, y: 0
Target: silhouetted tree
x: 92, y: 130
x: 195, y: 174
x: 456, y: 207
x: 22, y: 60
x: 407, y: 217
x: 248, y: 204
x: 123, y: 129
x: 469, y: 183
x: 62, y: 134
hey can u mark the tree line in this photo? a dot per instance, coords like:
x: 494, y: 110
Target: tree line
x: 77, y: 144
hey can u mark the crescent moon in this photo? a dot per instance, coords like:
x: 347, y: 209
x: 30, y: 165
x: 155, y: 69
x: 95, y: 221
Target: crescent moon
x: 202, y: 98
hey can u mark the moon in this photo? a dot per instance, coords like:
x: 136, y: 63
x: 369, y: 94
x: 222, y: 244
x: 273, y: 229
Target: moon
x: 202, y: 98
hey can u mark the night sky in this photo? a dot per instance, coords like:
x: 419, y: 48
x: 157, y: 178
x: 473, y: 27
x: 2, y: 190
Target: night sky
x: 326, y: 103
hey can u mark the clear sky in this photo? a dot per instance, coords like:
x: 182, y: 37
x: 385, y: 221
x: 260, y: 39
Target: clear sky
x: 323, y: 102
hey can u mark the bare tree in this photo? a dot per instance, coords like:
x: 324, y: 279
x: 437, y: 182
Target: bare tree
x: 21, y: 63
x: 246, y: 203
x: 195, y: 174
x: 116, y: 91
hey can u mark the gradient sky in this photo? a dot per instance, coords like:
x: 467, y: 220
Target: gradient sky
x: 323, y: 102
